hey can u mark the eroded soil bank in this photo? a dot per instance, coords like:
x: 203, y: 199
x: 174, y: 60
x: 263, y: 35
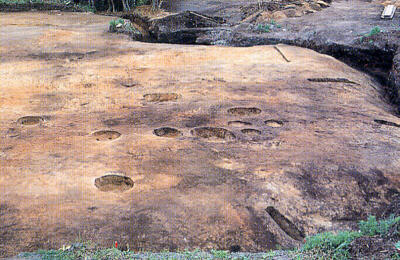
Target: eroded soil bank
x: 174, y: 146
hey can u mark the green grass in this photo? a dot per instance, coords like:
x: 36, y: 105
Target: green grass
x: 268, y: 27
x: 329, y: 245
x: 334, y: 245
x: 372, y: 227
x: 220, y: 254
x: 114, y: 23
x: 374, y: 31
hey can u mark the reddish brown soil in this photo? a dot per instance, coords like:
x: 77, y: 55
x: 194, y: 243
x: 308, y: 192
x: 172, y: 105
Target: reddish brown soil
x: 319, y: 161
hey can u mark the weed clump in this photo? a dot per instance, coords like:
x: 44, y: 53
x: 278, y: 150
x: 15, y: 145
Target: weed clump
x: 337, y: 245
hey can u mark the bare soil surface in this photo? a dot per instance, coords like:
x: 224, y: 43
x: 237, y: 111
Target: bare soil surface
x: 173, y: 146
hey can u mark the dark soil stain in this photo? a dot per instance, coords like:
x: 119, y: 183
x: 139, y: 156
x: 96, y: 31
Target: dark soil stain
x: 384, y: 122
x: 114, y: 183
x: 30, y: 120
x: 334, y: 80
x: 197, y: 120
x: 285, y: 224
x: 251, y: 132
x: 213, y: 132
x: 112, y: 122
x: 167, y: 132
x: 61, y: 55
x: 160, y: 97
x: 244, y: 111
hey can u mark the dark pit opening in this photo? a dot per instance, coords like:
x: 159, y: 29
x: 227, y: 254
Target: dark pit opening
x: 30, y: 120
x: 244, y: 111
x: 213, y: 132
x: 238, y: 123
x: 167, y: 132
x: 384, y: 122
x: 116, y: 183
x: 251, y: 132
x: 274, y: 123
x: 235, y: 248
x: 334, y: 80
x: 104, y: 135
x: 160, y: 97
x: 285, y: 224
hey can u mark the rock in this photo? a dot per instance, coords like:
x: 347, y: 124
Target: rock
x: 289, y: 7
x: 323, y: 4
x: 310, y: 11
x: 315, y: 6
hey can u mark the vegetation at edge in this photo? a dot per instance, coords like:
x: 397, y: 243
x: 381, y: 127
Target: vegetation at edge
x: 327, y: 245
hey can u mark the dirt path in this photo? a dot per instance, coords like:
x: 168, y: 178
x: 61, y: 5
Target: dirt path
x: 172, y: 146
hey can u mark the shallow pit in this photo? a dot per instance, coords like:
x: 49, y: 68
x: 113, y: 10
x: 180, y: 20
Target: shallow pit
x: 213, y: 133
x: 384, y: 122
x: 274, y: 123
x: 238, y: 123
x: 244, y: 111
x: 251, y: 132
x: 167, y: 132
x: 160, y: 97
x: 285, y: 224
x: 106, y: 135
x: 331, y: 80
x: 30, y: 120
x: 115, y: 183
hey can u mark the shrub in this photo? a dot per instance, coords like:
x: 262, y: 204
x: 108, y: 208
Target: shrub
x: 114, y: 24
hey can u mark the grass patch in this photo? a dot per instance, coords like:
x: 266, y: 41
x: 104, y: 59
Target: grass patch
x: 329, y: 245
x: 374, y: 31
x: 268, y: 27
x: 373, y: 227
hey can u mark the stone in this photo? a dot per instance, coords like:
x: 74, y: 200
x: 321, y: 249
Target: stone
x: 323, y: 4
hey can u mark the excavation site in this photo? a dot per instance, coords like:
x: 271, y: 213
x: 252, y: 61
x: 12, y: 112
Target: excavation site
x: 234, y: 130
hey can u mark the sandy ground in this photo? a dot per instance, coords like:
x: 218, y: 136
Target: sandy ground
x: 199, y: 141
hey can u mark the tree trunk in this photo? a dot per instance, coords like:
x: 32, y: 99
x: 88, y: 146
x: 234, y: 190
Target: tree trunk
x: 155, y: 4
x: 113, y: 6
x: 91, y: 4
x: 125, y: 5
